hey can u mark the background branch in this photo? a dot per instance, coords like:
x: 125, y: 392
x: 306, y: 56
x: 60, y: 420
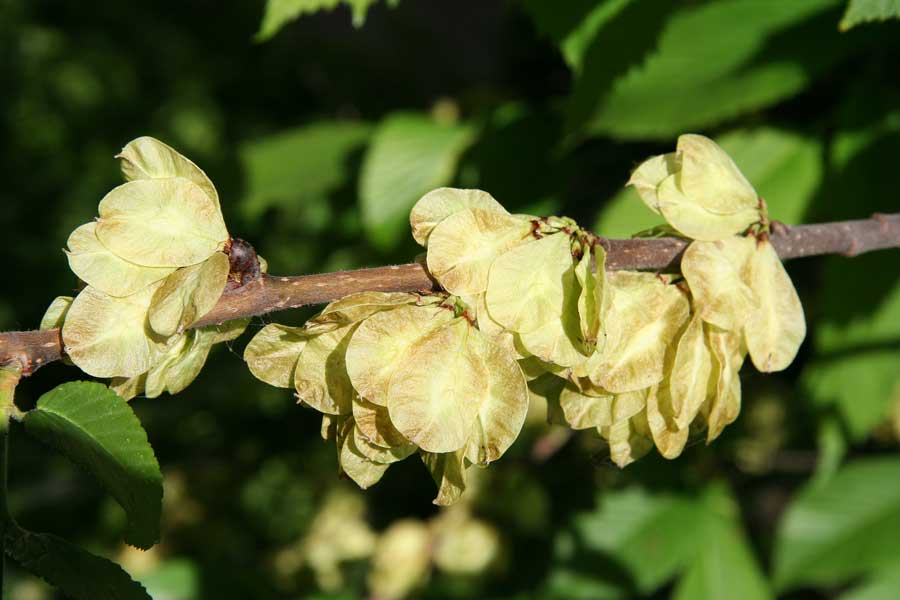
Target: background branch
x: 33, y: 349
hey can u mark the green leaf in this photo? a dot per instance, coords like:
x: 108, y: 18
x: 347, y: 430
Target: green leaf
x: 76, y: 572
x: 857, y: 341
x: 866, y: 11
x: 652, y: 536
x: 410, y: 154
x: 280, y: 12
x: 297, y: 169
x: 711, y: 62
x: 882, y: 586
x: 854, y: 514
x: 98, y: 430
x: 724, y: 566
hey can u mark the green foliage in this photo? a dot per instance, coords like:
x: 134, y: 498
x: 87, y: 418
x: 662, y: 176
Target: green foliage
x: 409, y: 155
x: 98, y: 430
x: 855, y: 513
x: 865, y: 11
x: 77, y: 572
x: 281, y: 12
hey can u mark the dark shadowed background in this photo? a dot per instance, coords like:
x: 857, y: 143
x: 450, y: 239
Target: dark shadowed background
x: 321, y: 135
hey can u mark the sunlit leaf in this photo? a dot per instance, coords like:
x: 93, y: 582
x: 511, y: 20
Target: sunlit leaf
x: 188, y: 294
x: 409, y: 155
x: 281, y: 12
x: 718, y: 274
x: 435, y: 393
x: 109, y: 337
x: 868, y: 11
x: 161, y: 223
x: 775, y: 330
x: 378, y: 347
x: 97, y: 266
x: 462, y: 247
x: 98, y: 430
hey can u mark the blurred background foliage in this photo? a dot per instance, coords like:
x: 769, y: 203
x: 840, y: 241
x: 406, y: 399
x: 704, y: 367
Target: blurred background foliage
x: 321, y: 122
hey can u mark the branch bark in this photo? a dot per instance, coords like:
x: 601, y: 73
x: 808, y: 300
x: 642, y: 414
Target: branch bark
x: 33, y: 349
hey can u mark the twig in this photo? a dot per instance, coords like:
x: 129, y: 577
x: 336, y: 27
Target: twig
x: 33, y: 349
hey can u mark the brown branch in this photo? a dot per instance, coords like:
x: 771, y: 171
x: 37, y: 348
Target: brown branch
x: 34, y: 349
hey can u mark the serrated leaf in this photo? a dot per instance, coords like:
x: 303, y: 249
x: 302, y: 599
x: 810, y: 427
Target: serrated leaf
x: 775, y: 330
x: 273, y: 352
x: 281, y: 12
x: 645, y: 316
x: 76, y: 572
x: 55, y: 315
x: 296, y: 170
x: 710, y: 62
x: 867, y: 11
x: 378, y: 347
x: 188, y: 294
x: 161, y: 223
x: 149, y: 158
x: 448, y: 470
x: 108, y: 337
x: 462, y: 247
x: 94, y: 264
x: 320, y: 376
x: 503, y: 405
x: 98, y: 430
x: 409, y: 155
x: 437, y: 205
x: 436, y: 390
x: 854, y: 513
x: 718, y: 274
x: 690, y: 373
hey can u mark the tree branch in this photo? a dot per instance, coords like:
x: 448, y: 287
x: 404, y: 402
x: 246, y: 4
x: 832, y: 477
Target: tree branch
x: 34, y: 349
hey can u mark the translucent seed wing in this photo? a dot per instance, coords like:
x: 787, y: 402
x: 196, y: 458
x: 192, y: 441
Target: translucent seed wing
x: 437, y: 389
x: 725, y: 404
x: 320, y: 376
x: 711, y: 179
x: 55, y: 315
x: 374, y: 423
x: 379, y: 344
x: 149, y: 158
x: 108, y: 337
x: 717, y: 273
x: 97, y: 266
x: 583, y: 411
x: 379, y: 454
x: 437, y: 205
x: 668, y: 437
x: 462, y: 247
x: 161, y: 223
x: 188, y: 294
x: 649, y: 174
x: 273, y: 353
x: 696, y: 222
x: 357, y: 307
x: 690, y: 373
x: 364, y: 472
x: 448, y: 470
x: 504, y: 406
x: 776, y: 329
